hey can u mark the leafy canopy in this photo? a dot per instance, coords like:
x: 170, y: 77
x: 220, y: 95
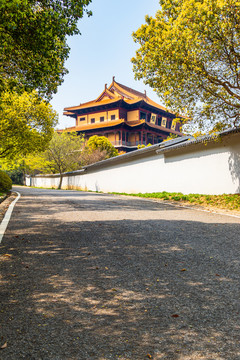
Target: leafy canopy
x: 190, y: 54
x: 63, y: 153
x: 26, y: 124
x: 33, y: 45
x: 102, y: 143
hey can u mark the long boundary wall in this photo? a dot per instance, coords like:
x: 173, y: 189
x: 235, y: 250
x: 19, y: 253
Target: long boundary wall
x: 207, y: 167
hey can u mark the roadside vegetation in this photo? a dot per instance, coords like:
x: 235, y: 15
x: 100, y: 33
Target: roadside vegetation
x: 189, y: 54
x: 65, y: 152
x: 34, y: 49
x: 225, y: 201
x: 5, y: 184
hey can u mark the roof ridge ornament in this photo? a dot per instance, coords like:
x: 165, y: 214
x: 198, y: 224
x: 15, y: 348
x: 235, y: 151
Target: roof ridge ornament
x: 113, y: 79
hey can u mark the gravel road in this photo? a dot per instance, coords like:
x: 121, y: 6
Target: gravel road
x: 88, y: 276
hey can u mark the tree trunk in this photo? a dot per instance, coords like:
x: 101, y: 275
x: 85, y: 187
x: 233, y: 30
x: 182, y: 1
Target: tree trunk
x: 60, y: 182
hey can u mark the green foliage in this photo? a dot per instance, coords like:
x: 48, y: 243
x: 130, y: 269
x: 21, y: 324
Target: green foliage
x: 190, y: 54
x: 103, y: 144
x: 62, y: 155
x: 225, y: 201
x: 143, y: 146
x: 33, y: 50
x: 171, y: 137
x: 33, y: 45
x: 15, y: 169
x: 17, y: 176
x: 67, y: 152
x: 26, y: 124
x: 5, y: 182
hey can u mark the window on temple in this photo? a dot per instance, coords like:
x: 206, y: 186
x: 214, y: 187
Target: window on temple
x: 143, y: 115
x: 112, y: 117
x: 159, y: 121
x: 102, y: 118
x: 82, y: 119
x: 92, y: 120
x: 173, y: 125
x: 164, y: 122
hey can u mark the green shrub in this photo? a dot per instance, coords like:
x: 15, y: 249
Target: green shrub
x: 5, y: 182
x: 16, y: 176
x: 176, y: 198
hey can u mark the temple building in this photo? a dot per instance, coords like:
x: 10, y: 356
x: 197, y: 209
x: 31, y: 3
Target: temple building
x: 127, y: 117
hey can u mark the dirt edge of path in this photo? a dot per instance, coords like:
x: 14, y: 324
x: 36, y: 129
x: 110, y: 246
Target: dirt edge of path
x: 4, y: 205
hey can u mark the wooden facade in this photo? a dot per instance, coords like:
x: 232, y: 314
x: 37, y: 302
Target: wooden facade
x: 127, y: 117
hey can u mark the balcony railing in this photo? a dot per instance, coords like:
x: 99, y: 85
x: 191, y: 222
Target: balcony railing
x: 128, y: 143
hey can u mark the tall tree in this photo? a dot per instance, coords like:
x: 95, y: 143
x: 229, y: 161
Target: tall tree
x: 26, y: 124
x: 33, y: 45
x: 190, y: 54
x: 62, y: 155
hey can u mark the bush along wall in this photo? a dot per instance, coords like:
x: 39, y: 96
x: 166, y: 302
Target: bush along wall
x: 5, y: 182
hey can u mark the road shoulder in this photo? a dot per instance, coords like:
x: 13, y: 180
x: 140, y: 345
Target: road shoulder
x: 4, y: 205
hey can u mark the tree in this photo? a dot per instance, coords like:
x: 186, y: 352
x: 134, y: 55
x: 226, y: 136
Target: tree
x: 26, y: 124
x: 33, y: 50
x: 66, y: 152
x: 33, y: 45
x: 62, y: 155
x: 102, y: 143
x: 89, y: 156
x: 15, y: 169
x: 190, y: 54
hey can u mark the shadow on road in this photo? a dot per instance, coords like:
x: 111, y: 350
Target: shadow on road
x: 119, y: 289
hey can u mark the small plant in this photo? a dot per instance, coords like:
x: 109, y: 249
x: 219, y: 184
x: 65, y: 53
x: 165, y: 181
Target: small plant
x: 176, y: 198
x: 5, y: 182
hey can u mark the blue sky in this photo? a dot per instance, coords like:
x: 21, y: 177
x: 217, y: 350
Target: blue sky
x: 104, y: 50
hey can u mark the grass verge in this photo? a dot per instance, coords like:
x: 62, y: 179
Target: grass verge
x: 225, y: 201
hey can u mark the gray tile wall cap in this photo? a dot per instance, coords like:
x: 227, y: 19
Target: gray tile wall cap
x: 201, y: 139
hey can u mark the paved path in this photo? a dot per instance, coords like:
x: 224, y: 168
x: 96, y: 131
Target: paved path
x: 94, y: 276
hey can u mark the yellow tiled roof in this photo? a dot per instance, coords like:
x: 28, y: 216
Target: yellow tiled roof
x: 113, y: 123
x: 97, y: 125
x: 164, y: 129
x: 91, y: 104
x: 110, y: 123
x: 129, y: 95
x: 135, y: 123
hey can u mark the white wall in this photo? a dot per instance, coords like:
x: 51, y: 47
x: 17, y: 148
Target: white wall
x: 208, y: 169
